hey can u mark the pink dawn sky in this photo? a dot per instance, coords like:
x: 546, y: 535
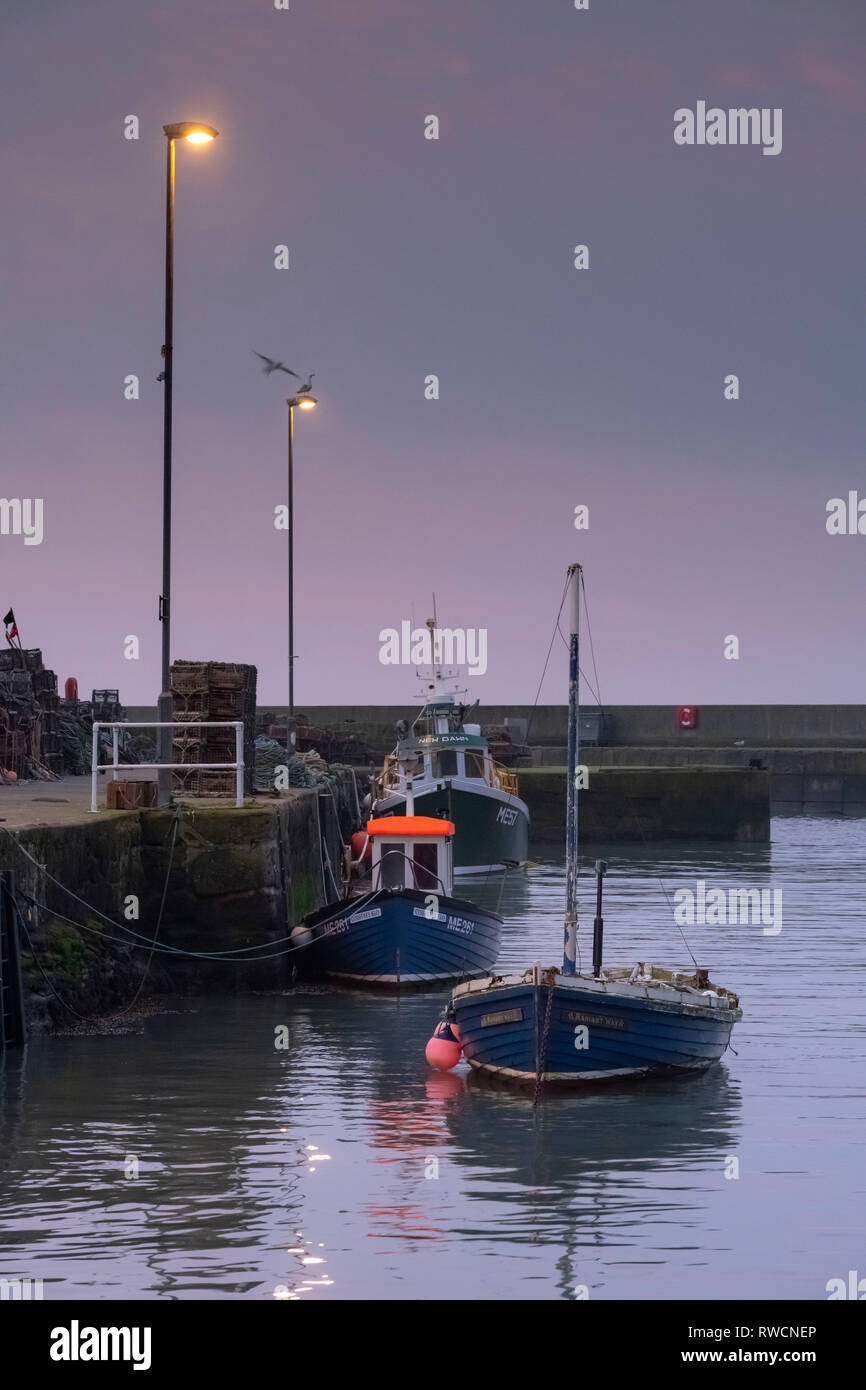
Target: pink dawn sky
x: 411, y: 257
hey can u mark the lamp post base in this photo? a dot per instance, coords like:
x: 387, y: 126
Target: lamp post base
x: 164, y: 746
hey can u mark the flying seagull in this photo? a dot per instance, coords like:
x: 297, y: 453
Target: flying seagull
x: 272, y: 366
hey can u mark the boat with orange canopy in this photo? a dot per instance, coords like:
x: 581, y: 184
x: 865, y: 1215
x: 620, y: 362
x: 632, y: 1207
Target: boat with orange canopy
x: 404, y: 928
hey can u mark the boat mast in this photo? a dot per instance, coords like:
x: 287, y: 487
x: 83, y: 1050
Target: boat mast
x: 569, y: 953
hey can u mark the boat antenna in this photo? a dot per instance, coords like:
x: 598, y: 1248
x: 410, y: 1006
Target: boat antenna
x: 569, y: 952
x: 434, y: 650
x: 433, y: 627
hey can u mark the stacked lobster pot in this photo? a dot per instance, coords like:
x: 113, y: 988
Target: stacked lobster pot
x: 48, y: 751
x: 29, y: 704
x: 105, y: 706
x: 205, y: 692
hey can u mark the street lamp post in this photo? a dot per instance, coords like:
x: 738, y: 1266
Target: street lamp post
x: 303, y: 402
x: 195, y: 134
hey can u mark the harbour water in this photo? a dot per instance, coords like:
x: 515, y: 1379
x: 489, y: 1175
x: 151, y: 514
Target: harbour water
x: 195, y: 1156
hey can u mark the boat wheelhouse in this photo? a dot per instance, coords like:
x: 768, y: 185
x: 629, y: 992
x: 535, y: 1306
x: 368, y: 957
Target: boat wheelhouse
x: 443, y: 767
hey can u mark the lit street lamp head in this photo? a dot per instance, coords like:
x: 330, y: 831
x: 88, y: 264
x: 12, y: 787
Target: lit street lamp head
x: 303, y: 402
x: 192, y: 131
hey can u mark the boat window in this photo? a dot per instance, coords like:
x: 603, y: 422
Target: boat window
x: 413, y: 766
x: 445, y: 763
x: 425, y: 866
x: 474, y: 763
x: 392, y: 870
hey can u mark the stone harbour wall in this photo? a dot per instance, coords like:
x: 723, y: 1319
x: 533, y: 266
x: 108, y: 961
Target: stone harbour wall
x: 236, y: 879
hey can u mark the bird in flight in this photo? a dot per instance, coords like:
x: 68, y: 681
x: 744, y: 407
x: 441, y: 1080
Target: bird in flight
x: 272, y: 366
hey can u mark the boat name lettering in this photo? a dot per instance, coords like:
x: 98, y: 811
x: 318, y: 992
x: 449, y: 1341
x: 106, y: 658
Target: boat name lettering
x: 365, y: 916
x: 429, y: 916
x: 461, y: 925
x: 596, y: 1020
x: 507, y: 815
x: 505, y: 1016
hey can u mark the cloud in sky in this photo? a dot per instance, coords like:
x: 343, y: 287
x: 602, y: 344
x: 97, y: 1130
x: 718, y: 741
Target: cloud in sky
x: 842, y: 79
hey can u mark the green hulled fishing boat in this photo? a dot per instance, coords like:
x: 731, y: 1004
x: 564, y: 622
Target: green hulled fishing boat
x: 443, y: 765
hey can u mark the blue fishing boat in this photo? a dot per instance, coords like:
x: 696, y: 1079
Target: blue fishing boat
x: 405, y: 928
x: 554, y: 1026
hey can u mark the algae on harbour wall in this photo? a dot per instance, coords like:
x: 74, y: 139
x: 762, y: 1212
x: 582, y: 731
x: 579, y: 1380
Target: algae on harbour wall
x: 236, y: 878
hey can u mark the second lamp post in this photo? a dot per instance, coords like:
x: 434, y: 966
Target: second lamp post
x: 303, y: 402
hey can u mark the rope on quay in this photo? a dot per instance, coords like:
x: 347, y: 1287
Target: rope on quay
x: 245, y: 953
x: 357, y: 802
x: 147, y: 943
x: 145, y: 972
x: 219, y: 957
x: 118, y: 926
x: 62, y: 1002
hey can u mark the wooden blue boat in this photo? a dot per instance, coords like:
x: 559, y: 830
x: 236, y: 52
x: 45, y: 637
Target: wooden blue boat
x: 577, y: 1028
x: 406, y: 929
x: 554, y: 1026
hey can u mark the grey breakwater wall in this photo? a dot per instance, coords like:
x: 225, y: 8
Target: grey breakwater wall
x: 236, y: 879
x: 760, y: 726
x: 646, y: 804
x: 742, y: 729
x: 815, y: 754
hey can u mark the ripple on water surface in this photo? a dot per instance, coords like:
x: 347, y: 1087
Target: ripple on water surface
x: 194, y: 1159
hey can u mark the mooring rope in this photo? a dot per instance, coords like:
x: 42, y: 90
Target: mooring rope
x: 146, y: 970
x: 148, y: 942
x: 63, y: 1003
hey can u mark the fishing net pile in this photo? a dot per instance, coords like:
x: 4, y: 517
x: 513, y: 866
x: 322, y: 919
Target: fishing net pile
x: 335, y: 745
x: 75, y: 731
x: 275, y: 768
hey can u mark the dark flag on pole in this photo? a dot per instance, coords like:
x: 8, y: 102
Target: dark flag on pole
x: 11, y: 629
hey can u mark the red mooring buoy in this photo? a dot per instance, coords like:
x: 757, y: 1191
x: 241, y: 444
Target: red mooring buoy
x: 362, y: 846
x: 443, y: 1051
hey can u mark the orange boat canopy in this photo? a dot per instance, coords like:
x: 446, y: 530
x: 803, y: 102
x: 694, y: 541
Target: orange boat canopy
x: 409, y: 826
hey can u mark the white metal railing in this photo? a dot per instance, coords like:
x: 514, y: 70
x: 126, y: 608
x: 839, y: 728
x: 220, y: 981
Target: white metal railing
x: 114, y: 766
